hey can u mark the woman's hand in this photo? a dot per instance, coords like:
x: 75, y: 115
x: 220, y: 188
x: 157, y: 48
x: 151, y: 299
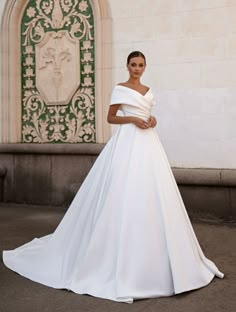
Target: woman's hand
x: 141, y: 123
x: 152, y: 122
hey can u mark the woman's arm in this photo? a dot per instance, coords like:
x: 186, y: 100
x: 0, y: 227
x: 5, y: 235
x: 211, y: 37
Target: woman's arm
x: 113, y: 119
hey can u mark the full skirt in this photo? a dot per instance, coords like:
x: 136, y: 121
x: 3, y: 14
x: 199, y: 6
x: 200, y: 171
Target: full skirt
x: 126, y: 235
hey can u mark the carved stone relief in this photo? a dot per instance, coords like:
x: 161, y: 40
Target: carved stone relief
x: 58, y: 102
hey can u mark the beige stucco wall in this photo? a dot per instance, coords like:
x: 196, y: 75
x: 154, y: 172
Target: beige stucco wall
x: 191, y: 53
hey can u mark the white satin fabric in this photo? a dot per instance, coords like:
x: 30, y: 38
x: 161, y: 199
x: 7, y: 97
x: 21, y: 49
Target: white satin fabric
x: 126, y: 235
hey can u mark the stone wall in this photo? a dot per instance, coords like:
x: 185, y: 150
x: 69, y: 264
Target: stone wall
x: 191, y: 55
x: 52, y: 175
x: 44, y: 174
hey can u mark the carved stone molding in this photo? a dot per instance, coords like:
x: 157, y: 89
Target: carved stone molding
x: 11, y: 69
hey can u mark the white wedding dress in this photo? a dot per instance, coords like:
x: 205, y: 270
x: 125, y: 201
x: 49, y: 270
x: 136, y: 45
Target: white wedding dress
x: 127, y: 234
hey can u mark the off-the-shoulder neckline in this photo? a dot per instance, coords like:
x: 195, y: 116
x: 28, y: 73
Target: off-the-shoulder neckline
x: 134, y: 90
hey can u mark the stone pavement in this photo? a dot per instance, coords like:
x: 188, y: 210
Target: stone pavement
x: 21, y: 223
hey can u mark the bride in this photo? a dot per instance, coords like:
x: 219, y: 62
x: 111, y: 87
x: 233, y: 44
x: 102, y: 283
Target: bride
x: 126, y: 234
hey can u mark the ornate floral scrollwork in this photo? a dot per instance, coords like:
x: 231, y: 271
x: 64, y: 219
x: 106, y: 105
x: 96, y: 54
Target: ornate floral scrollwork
x: 63, y: 122
x: 56, y: 14
x: 70, y: 127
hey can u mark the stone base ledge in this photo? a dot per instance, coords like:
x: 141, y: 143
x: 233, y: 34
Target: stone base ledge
x: 183, y: 176
x: 205, y: 176
x: 51, y: 174
x: 56, y: 148
x: 45, y: 174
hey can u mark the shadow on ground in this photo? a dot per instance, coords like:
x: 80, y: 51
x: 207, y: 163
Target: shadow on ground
x: 19, y: 224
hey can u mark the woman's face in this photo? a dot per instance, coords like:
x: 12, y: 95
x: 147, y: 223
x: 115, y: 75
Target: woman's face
x: 136, y: 67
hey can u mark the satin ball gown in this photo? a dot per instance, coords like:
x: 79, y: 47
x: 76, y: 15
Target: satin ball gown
x: 126, y: 234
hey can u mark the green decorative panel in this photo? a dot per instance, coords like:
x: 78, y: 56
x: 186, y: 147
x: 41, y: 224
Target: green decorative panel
x: 58, y: 85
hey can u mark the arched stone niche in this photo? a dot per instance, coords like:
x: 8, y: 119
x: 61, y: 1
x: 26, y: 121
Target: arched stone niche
x: 11, y: 106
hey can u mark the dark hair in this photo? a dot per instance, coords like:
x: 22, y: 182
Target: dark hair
x: 135, y: 54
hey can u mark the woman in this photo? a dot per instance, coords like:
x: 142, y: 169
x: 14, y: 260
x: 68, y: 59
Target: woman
x: 127, y: 234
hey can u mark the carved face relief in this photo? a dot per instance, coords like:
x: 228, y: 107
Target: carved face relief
x: 57, y: 68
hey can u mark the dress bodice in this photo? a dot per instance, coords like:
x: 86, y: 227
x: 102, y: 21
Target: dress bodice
x: 133, y: 103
